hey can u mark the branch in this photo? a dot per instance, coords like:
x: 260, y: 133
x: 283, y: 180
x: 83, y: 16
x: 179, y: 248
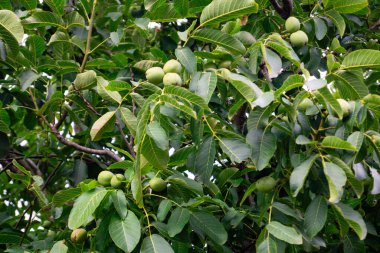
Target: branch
x: 375, y: 25
x: 80, y: 147
x: 285, y: 10
x: 89, y: 34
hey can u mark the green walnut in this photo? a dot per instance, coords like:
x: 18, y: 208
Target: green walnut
x: 173, y: 66
x: 245, y: 37
x: 225, y: 64
x: 46, y: 224
x: 172, y: 79
x: 157, y: 184
x: 292, y: 24
x: 155, y: 75
x: 265, y: 184
x: 51, y: 233
x: 299, y: 39
x: 117, y: 180
x: 79, y: 235
x: 345, y: 107
x: 306, y: 103
x: 104, y: 177
x: 376, y: 140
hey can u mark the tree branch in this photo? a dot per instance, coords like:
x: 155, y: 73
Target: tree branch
x: 80, y: 147
x: 285, y: 10
x: 375, y: 25
x: 89, y: 34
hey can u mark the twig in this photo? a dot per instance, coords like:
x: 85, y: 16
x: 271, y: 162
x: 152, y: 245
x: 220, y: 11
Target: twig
x: 89, y: 34
x: 375, y: 25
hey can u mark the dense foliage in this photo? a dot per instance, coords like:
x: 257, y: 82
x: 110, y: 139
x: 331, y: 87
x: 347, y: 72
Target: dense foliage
x: 189, y: 126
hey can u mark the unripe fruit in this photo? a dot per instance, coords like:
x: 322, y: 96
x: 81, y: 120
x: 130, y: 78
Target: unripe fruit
x: 104, y: 177
x: 79, y: 235
x: 292, y: 24
x: 376, y: 140
x: 345, y: 107
x: 173, y: 66
x: 225, y: 64
x: 157, y: 184
x: 305, y: 104
x: 155, y: 75
x: 172, y: 79
x: 51, y: 233
x: 46, y: 224
x: 246, y: 38
x: 265, y: 184
x: 117, y: 180
x: 299, y: 39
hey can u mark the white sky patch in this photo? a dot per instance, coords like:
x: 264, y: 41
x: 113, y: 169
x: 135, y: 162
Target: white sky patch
x: 153, y: 25
x: 24, y: 143
x: 23, y: 41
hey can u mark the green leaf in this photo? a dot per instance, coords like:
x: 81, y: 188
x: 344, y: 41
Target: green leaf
x: 285, y: 209
x: 182, y: 6
x: 85, y: 206
x: 350, y: 84
x: 186, y: 95
x: 57, y: 6
x: 157, y: 157
x: 349, y: 6
x: 43, y: 18
x: 155, y: 244
x: 244, y: 86
x: 112, y: 96
x: 338, y: 21
x: 74, y: 19
x: 125, y: 233
x: 85, y: 80
x: 363, y: 58
x: 204, y: 84
x: 11, y: 30
x: 177, y: 221
x: 248, y: 192
x: 164, y: 13
x: 320, y: 28
x: 155, y: 131
x: 205, y: 157
x: 179, y: 106
x: 63, y: 38
x: 292, y: 82
x: 334, y: 142
x: 116, y: 85
x: 284, y: 233
x: 263, y: 144
x: 120, y: 203
x: 299, y: 174
x: 315, y: 216
x: 163, y: 209
x: 187, y: 59
x: 221, y: 39
x: 336, y: 179
x: 103, y: 124
x: 29, y: 4
x: 222, y: 10
x: 356, y: 184
x: 129, y: 119
x: 59, y: 247
x: 236, y: 150
x: 264, y: 99
x: 353, y: 218
x: 331, y: 101
x: 36, y: 46
x: 268, y: 245
x: 63, y: 196
x: 206, y: 224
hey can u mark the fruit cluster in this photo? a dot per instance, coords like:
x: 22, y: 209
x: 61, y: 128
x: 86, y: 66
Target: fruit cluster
x: 107, y: 178
x: 298, y: 38
x: 169, y: 75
